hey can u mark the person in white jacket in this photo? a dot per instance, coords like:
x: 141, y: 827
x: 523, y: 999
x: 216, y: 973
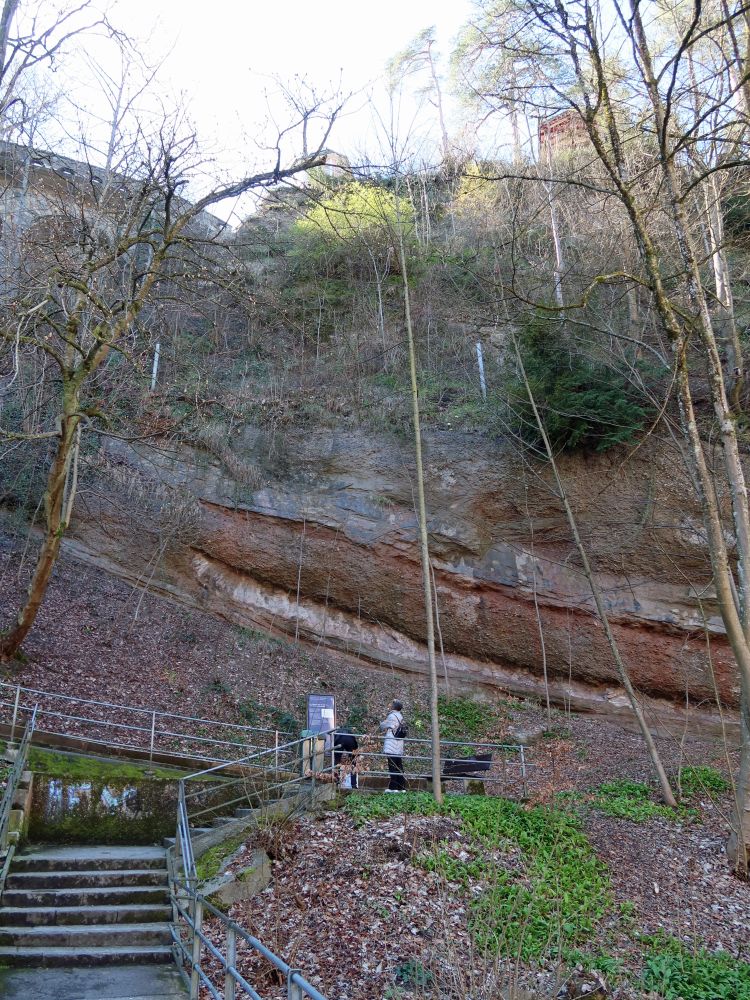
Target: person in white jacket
x: 393, y: 748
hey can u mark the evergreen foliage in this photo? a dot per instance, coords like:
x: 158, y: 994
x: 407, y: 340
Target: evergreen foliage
x: 585, y: 404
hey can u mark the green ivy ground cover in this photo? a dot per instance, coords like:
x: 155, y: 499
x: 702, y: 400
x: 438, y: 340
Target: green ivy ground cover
x: 551, y: 898
x: 678, y: 973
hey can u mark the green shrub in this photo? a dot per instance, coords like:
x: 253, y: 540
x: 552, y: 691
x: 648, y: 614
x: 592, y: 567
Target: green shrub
x: 632, y: 800
x: 461, y: 719
x: 677, y: 973
x: 250, y: 711
x: 286, y: 722
x: 414, y: 974
x: 583, y: 403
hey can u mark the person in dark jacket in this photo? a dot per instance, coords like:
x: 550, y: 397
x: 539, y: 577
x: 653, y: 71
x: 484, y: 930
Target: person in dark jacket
x: 344, y: 746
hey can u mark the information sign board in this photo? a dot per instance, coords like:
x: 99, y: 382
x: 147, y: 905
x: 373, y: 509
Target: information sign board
x: 321, y: 713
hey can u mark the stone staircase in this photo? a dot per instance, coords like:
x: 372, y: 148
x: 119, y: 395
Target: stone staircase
x: 86, y: 906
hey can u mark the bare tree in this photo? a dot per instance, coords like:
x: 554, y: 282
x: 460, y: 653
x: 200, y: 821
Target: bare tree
x: 92, y: 262
x: 420, y: 58
x: 656, y: 148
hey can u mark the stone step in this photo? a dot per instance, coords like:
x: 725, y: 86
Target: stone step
x: 85, y: 936
x: 120, y: 895
x: 84, y: 956
x: 195, y: 831
x: 85, y: 879
x: 242, y: 813
x: 90, y: 859
x: 38, y: 916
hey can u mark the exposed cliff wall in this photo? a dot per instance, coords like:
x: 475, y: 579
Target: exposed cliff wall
x: 334, y: 523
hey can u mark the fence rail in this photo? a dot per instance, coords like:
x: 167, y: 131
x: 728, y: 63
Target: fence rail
x: 508, y: 766
x: 6, y: 804
x: 189, y: 908
x: 149, y: 732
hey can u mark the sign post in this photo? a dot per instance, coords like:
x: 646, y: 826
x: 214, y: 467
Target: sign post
x: 321, y: 722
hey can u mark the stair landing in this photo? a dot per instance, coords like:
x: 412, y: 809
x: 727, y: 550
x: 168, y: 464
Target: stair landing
x: 115, y: 982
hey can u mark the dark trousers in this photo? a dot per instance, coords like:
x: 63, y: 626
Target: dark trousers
x: 397, y: 780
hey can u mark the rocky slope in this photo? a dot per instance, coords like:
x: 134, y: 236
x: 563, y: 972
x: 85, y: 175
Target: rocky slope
x: 313, y: 534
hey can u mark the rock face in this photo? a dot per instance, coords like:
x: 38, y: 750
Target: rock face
x: 325, y: 549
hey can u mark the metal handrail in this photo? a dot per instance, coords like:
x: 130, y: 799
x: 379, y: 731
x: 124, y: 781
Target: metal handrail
x: 297, y: 985
x: 19, y: 766
x: 421, y: 762
x: 150, y: 730
x: 9, y: 794
x: 189, y: 907
x: 134, y: 708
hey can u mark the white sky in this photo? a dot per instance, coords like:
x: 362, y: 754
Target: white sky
x: 222, y: 54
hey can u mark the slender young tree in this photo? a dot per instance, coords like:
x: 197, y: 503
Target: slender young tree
x: 622, y: 673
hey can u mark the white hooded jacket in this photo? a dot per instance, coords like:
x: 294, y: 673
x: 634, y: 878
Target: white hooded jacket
x: 391, y: 746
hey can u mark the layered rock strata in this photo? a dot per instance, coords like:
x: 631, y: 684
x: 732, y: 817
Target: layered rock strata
x: 324, y: 549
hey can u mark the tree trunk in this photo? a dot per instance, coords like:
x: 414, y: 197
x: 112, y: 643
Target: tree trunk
x: 6, y: 19
x: 55, y: 513
x: 557, y: 243
x: 735, y: 604
x: 622, y: 673
x: 423, y: 539
x: 724, y: 310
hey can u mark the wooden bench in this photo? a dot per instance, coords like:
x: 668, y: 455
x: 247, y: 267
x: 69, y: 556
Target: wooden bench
x: 467, y: 768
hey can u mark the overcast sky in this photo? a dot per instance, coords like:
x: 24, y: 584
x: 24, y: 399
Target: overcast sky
x: 221, y: 56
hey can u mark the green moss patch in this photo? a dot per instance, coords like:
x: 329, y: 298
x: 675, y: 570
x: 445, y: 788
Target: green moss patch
x: 209, y: 865
x: 80, y: 767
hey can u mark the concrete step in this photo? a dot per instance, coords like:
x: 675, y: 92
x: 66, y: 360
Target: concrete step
x: 222, y: 821
x: 85, y: 879
x: 85, y: 936
x: 84, y: 956
x: 39, y: 916
x: 195, y: 831
x: 120, y: 895
x: 124, y: 982
x: 89, y: 859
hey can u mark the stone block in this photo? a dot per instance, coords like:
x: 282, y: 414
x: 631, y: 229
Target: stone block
x: 233, y: 887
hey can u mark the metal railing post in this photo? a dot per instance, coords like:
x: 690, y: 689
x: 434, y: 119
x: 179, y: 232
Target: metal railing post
x: 151, y: 743
x: 15, y: 715
x: 276, y: 755
x: 195, y: 957
x: 230, y: 986
x: 293, y: 990
x: 523, y: 772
